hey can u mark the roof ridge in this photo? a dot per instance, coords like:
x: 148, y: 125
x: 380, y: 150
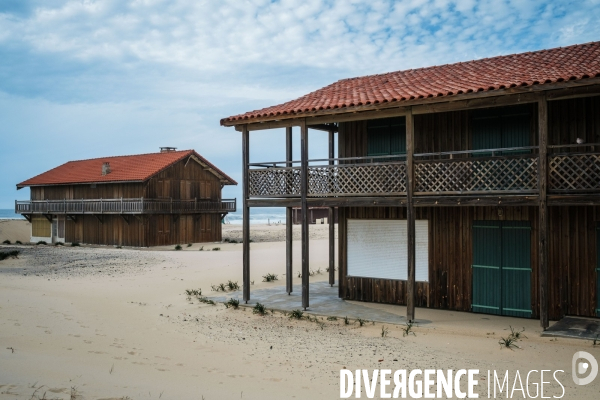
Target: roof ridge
x: 126, y: 155
x: 465, y: 62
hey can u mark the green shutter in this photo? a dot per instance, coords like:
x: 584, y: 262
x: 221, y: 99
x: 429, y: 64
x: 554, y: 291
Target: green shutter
x: 516, y: 268
x: 502, y: 268
x: 487, y: 259
x: 502, y: 127
x: 386, y: 136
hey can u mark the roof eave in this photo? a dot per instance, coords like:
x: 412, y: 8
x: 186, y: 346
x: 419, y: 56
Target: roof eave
x: 336, y: 112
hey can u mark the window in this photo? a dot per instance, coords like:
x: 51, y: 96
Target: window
x: 502, y: 127
x: 386, y: 136
x: 377, y: 248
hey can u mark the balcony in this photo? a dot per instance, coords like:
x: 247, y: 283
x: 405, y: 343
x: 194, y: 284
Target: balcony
x: 124, y: 206
x: 489, y: 172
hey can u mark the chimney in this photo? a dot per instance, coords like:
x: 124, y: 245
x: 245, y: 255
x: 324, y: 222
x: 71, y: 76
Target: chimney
x: 105, y: 168
x: 167, y: 149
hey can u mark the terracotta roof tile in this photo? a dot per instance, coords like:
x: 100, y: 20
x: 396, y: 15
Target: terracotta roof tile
x: 534, y: 68
x: 133, y: 168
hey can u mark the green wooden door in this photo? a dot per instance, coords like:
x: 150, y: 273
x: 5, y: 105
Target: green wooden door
x: 502, y: 268
x: 516, y: 268
x: 487, y: 261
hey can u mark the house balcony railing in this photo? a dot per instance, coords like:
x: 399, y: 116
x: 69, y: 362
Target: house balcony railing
x: 124, y: 206
x: 503, y: 171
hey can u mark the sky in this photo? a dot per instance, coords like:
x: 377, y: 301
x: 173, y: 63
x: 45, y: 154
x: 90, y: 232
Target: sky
x: 84, y: 78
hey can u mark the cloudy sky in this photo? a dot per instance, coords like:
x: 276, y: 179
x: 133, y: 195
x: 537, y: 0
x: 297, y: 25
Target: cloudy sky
x: 91, y: 78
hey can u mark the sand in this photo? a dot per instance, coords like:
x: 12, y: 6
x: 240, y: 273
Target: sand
x: 15, y: 229
x: 107, y: 323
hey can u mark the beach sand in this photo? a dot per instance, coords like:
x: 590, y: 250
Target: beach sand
x: 107, y: 323
x: 15, y: 229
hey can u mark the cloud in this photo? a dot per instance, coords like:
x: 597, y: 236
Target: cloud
x: 144, y: 73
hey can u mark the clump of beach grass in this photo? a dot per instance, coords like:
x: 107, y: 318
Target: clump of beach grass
x: 509, y: 343
x: 361, y: 321
x: 59, y: 244
x: 189, y: 245
x: 517, y: 335
x: 296, y: 314
x: 6, y: 254
x: 216, y: 249
x: 73, y: 244
x: 332, y: 318
x: 407, y: 330
x: 346, y: 321
x: 43, y: 242
x: 6, y: 242
x: 384, y: 331
x: 233, y: 303
x: 270, y: 277
x: 201, y: 248
x: 232, y: 285
x: 178, y: 247
x: 18, y: 242
x: 259, y: 309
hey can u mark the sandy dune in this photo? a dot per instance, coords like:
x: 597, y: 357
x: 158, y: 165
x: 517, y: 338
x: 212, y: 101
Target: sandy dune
x: 116, y: 323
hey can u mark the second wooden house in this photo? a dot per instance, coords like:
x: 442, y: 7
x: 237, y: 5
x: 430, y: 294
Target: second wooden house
x: 154, y: 199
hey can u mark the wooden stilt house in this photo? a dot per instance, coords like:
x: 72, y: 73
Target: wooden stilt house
x: 472, y: 186
x: 145, y: 200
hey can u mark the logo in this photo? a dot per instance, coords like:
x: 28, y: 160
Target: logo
x: 581, y: 368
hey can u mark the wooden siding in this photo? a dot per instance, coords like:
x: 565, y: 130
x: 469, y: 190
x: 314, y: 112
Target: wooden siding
x: 183, y: 180
x: 572, y: 233
x: 572, y: 119
x: 154, y: 230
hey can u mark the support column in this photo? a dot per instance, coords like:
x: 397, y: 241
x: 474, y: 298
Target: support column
x: 410, y: 218
x: 246, y: 214
x: 543, y: 209
x: 330, y: 219
x: 289, y: 269
x: 303, y: 193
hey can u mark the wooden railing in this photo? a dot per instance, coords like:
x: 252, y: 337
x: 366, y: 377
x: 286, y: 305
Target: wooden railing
x: 506, y: 171
x: 471, y: 172
x: 574, y: 168
x: 123, y: 206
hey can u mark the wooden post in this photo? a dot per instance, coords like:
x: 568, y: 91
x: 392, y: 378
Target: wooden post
x: 246, y: 214
x: 289, y: 267
x: 330, y: 219
x: 410, y: 218
x: 543, y: 209
x: 303, y: 193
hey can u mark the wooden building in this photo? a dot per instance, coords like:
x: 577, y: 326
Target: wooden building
x: 145, y: 200
x: 316, y: 215
x: 472, y: 186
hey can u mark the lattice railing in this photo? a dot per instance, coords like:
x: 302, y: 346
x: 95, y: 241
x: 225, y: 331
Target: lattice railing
x: 357, y: 179
x: 574, y: 172
x: 477, y: 175
x: 274, y: 182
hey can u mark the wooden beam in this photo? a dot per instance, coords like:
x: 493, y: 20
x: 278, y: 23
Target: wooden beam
x: 48, y: 217
x: 324, y: 127
x: 303, y: 193
x: 471, y: 104
x: 289, y: 267
x: 350, y: 113
x: 245, y: 216
x: 410, y: 218
x: 330, y: 218
x: 574, y: 200
x: 27, y: 217
x: 543, y: 210
x: 125, y: 218
x: 474, y: 201
x: 100, y: 218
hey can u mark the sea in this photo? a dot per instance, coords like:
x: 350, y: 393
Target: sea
x: 9, y: 213
x: 262, y: 215
x: 259, y: 215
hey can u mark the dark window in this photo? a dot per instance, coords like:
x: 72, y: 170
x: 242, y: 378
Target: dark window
x: 503, y: 127
x: 386, y: 136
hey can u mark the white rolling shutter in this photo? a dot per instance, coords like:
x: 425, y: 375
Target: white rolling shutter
x: 377, y: 248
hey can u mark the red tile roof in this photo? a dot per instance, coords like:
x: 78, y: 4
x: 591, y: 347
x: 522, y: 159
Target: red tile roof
x: 534, y: 68
x: 134, y: 168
